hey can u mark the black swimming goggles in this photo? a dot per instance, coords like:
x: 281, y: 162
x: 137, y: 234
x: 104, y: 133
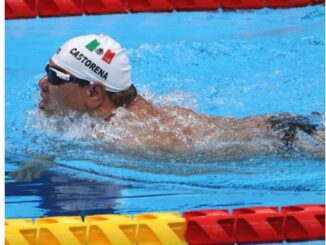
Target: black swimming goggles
x: 56, y: 76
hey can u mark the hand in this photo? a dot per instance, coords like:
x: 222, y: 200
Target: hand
x: 29, y: 171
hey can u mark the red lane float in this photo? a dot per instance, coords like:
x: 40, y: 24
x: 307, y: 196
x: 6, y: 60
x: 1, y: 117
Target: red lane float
x: 105, y: 6
x: 193, y: 5
x: 49, y: 8
x: 286, y: 3
x: 255, y: 225
x: 258, y: 225
x: 16, y: 9
x: 242, y: 4
x: 46, y: 8
x: 209, y: 227
x: 304, y: 222
x: 150, y: 5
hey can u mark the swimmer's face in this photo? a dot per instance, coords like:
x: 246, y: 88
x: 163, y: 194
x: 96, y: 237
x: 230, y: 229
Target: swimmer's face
x: 66, y: 96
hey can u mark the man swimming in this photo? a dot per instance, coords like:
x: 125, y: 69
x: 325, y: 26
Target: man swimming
x: 91, y: 74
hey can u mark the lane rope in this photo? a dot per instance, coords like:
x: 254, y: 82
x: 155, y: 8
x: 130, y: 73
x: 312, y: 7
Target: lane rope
x: 197, y: 227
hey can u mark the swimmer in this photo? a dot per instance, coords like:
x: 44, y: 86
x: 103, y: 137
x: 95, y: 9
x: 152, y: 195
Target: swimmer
x: 91, y: 74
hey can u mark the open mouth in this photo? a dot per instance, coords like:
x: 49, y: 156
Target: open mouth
x: 42, y: 103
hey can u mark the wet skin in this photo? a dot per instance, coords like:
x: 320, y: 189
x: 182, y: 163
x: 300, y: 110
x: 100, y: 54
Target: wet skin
x: 234, y: 138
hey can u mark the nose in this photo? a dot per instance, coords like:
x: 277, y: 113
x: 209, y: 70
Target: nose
x: 44, y: 84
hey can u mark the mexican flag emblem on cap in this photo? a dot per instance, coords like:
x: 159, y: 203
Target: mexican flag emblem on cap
x: 107, y: 57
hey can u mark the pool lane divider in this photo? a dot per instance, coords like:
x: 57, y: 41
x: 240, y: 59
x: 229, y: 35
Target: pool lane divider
x: 197, y: 227
x: 15, y: 9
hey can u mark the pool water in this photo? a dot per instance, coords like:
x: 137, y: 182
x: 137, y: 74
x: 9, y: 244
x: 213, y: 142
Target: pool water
x: 236, y: 63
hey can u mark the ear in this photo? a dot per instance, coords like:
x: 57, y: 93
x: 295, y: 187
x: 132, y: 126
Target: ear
x: 96, y: 95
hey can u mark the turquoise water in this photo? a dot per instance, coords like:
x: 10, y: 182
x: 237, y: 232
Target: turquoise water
x: 219, y: 63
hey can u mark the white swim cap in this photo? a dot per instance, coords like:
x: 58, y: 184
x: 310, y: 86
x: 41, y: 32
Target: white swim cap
x: 96, y: 58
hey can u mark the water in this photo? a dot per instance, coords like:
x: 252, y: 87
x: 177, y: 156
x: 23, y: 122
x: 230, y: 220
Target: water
x: 220, y: 63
